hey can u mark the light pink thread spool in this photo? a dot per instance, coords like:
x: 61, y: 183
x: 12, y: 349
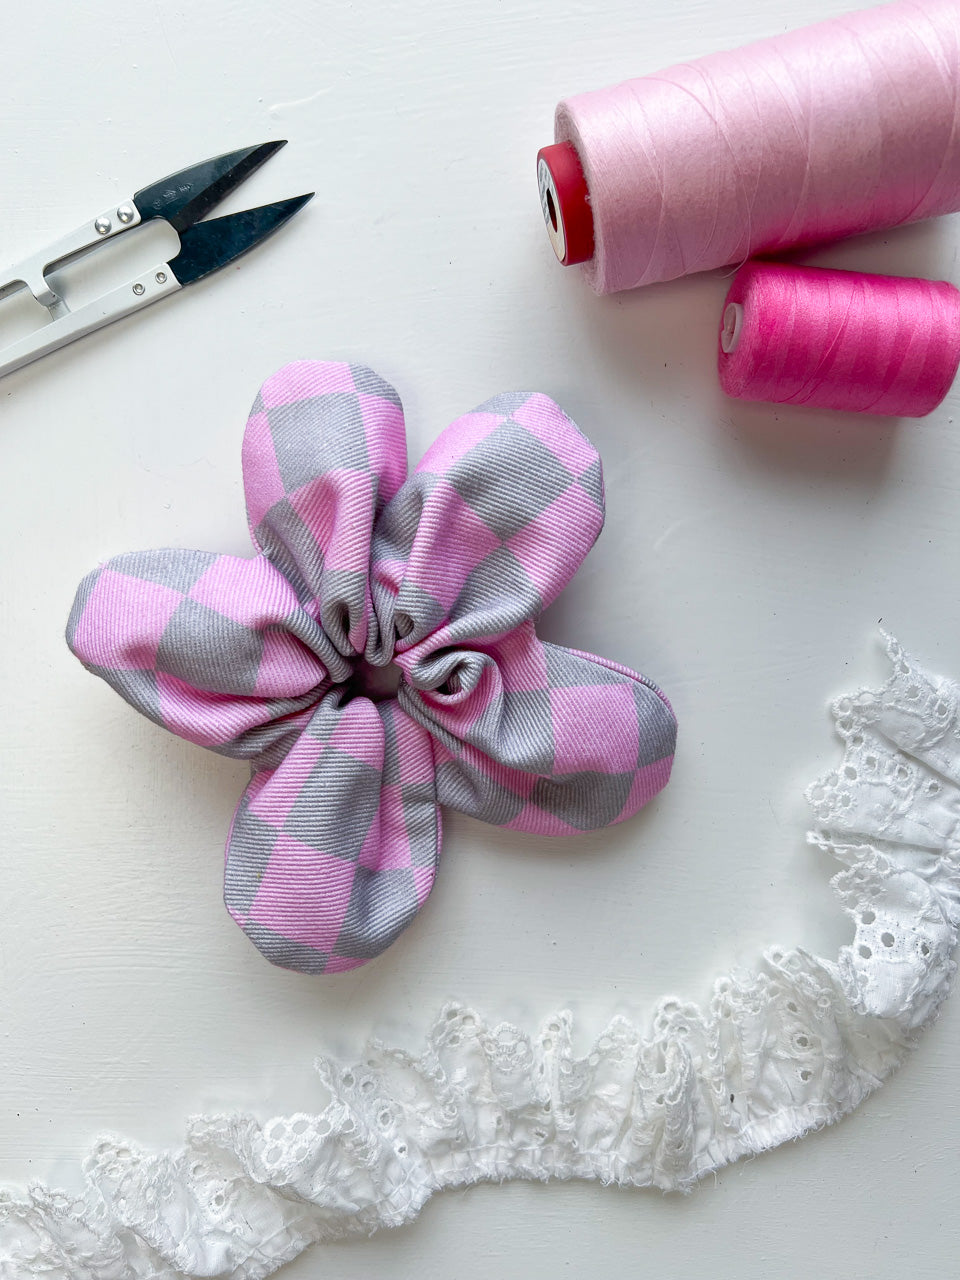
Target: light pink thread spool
x: 839, y: 339
x: 844, y: 127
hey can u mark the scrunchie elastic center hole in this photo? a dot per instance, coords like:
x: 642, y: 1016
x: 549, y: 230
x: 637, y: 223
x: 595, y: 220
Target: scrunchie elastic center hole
x: 379, y: 684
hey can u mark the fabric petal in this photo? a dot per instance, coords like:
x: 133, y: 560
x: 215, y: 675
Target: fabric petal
x: 324, y: 451
x: 334, y: 851
x: 202, y: 644
x: 540, y: 738
x: 491, y: 527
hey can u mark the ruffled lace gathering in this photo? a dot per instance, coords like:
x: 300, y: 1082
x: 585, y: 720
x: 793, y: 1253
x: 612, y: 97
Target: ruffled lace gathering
x: 776, y: 1052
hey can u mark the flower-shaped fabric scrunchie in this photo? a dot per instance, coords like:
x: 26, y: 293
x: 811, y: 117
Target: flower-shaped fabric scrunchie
x: 281, y: 659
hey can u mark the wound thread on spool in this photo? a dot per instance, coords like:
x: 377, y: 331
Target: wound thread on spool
x: 839, y: 339
x: 844, y: 127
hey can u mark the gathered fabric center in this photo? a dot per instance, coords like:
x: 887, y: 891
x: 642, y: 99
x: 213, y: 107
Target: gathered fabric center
x: 375, y: 683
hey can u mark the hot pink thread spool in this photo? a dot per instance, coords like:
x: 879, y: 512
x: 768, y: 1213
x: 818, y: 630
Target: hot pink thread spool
x: 844, y: 127
x: 839, y: 339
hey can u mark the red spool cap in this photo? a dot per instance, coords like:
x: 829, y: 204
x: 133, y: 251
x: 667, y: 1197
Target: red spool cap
x: 565, y: 201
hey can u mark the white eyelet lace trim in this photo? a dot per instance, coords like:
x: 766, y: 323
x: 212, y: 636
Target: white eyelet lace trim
x: 793, y: 1046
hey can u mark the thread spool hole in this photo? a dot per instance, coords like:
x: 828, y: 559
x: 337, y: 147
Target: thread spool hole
x: 732, y: 327
x: 551, y: 209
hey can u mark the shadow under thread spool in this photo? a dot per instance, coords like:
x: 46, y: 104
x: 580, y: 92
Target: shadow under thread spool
x: 839, y: 339
x: 844, y: 127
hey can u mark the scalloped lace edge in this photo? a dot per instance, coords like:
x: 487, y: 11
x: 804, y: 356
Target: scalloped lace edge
x: 776, y: 1052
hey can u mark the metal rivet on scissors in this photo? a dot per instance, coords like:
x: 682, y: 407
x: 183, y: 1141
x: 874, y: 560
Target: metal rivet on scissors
x: 181, y: 200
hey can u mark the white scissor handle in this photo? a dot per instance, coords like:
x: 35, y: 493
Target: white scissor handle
x: 149, y: 287
x: 32, y: 271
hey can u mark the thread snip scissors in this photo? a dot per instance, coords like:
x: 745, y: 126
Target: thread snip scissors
x: 181, y: 200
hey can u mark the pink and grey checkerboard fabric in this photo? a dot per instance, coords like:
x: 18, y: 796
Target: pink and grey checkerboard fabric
x: 335, y: 843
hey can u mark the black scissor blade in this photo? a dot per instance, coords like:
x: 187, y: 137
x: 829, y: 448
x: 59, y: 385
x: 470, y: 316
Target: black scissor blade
x: 208, y: 246
x: 184, y: 198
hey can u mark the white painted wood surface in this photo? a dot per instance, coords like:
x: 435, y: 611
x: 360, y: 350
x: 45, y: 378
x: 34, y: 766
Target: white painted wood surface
x: 747, y: 558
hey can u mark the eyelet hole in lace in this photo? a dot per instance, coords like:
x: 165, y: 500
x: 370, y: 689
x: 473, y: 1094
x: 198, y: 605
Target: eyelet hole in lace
x: 868, y: 917
x: 887, y: 939
x: 865, y: 952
